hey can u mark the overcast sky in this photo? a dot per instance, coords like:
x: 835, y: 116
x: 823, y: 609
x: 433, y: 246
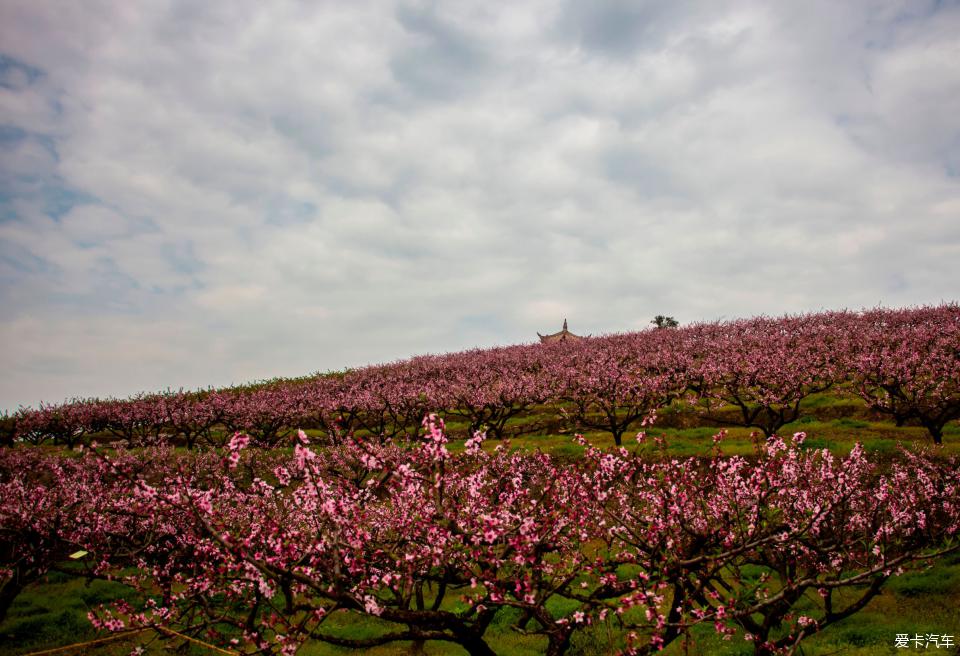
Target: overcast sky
x: 200, y: 193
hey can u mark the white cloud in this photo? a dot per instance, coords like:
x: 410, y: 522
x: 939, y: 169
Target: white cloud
x: 203, y: 193
x: 93, y: 223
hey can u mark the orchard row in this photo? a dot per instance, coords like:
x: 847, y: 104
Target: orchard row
x: 258, y: 551
x: 903, y: 363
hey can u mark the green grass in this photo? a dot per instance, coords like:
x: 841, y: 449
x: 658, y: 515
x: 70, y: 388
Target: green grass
x: 54, y: 612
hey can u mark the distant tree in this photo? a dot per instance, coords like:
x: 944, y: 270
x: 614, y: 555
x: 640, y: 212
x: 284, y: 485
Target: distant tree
x: 8, y: 428
x: 661, y: 321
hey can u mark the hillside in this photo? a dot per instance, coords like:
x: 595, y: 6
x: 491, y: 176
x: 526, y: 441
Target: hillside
x: 441, y: 471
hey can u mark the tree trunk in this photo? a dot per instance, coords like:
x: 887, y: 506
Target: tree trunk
x: 475, y: 646
x: 9, y: 592
x: 418, y: 646
x: 559, y: 643
x: 937, y: 435
x: 935, y: 430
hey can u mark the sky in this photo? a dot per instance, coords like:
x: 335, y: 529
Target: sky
x: 206, y: 193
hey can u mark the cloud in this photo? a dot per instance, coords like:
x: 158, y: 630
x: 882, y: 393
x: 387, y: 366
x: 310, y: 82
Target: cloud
x: 442, y: 62
x: 196, y: 194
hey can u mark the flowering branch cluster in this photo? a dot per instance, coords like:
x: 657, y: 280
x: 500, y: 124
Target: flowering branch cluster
x: 257, y: 550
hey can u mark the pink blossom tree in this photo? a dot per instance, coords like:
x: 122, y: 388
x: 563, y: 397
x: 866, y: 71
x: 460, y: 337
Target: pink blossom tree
x: 764, y: 368
x: 613, y: 382
x: 904, y: 364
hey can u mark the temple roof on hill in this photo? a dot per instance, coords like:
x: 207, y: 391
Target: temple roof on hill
x: 562, y: 336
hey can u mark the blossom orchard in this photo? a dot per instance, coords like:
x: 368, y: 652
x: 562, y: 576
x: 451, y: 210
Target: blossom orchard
x: 905, y: 365
x: 751, y: 372
x: 763, y: 368
x: 257, y: 550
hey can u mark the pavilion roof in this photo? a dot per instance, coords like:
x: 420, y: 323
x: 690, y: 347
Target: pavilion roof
x: 561, y: 336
